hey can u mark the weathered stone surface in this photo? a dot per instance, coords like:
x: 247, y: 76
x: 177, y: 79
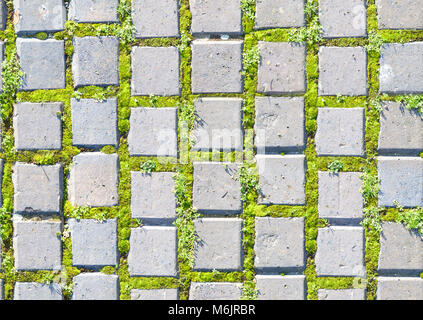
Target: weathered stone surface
x: 399, y: 288
x: 153, y: 252
x: 96, y: 286
x: 281, y: 287
x: 282, y: 67
x: 340, y: 132
x: 401, y: 180
x: 154, y: 294
x: 37, y: 245
x: 215, y: 291
x: 155, y: 71
x: 342, y: 71
x: 279, y: 14
x: 37, y: 126
x: 282, y: 179
x: 94, y: 11
x: 279, y: 245
x: 95, y: 61
x: 42, y: 62
x: 340, y: 252
x: 37, y: 291
x: 217, y: 189
x: 2, y: 57
x: 3, y: 15
x: 93, y: 180
x: 403, y: 14
x: 341, y: 294
x: 216, y: 66
x: 153, y: 132
x: 1, y: 289
x: 220, y: 244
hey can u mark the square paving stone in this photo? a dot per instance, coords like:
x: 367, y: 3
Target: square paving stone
x: 400, y: 14
x: 279, y: 124
x: 401, y: 68
x: 38, y: 126
x: 282, y: 68
x: 94, y: 123
x: 279, y: 14
x: 216, y: 17
x: 42, y: 62
x: 155, y: 18
x: 32, y: 16
x: 152, y: 197
x: 279, y: 245
x: 215, y: 291
x: 96, y: 286
x: 38, y: 189
x: 340, y: 18
x: 216, y: 188
x: 94, y: 243
x: 94, y: 11
x: 219, y: 245
x: 155, y: 71
x: 401, y: 180
x: 401, y: 251
x: 154, y: 294
x: 342, y: 71
x: 218, y: 125
x: 153, y: 132
x: 340, y: 252
x: 282, y: 179
x: 340, y: 132
x: 93, y: 180
x: 217, y: 66
x: 275, y: 287
x: 399, y: 288
x: 342, y: 294
x: 1, y: 289
x: 3, y: 15
x: 37, y: 291
x: 95, y: 61
x: 37, y: 245
x: 153, y: 252
x: 401, y: 130
x: 340, y: 199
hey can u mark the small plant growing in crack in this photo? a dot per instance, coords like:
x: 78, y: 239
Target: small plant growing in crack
x: 78, y: 213
x: 312, y: 34
x: 148, y: 166
x: 370, y: 187
x: 375, y: 41
x: 413, y: 102
x: 335, y: 166
x: 249, y: 180
x: 411, y: 219
x: 372, y: 218
x: 250, y: 58
x: 249, y: 292
x: 248, y: 8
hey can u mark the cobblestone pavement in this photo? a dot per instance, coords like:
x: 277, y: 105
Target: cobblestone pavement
x: 211, y: 149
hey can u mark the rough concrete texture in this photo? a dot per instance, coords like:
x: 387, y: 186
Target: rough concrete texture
x: 341, y: 294
x: 3, y: 14
x: 96, y: 286
x: 276, y: 287
x: 215, y: 291
x: 399, y: 288
x: 93, y: 11
x: 37, y: 291
x: 403, y: 14
x: 154, y: 294
x: 279, y: 14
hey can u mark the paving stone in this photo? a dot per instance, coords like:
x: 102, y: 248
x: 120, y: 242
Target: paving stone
x: 342, y: 294
x: 279, y: 14
x: 94, y: 243
x: 219, y: 124
x: 281, y: 287
x: 152, y: 197
x: 340, y: 199
x: 94, y: 11
x: 154, y: 294
x: 401, y: 180
x: 216, y: 17
x: 3, y: 15
x: 401, y: 70
x: 401, y: 288
x: 401, y: 251
x: 153, y: 252
x: 279, y: 245
x: 219, y: 245
x: 342, y: 71
x: 1, y: 289
x: 94, y: 123
x: 279, y: 124
x: 341, y: 18
x: 42, y: 62
x: 96, y: 286
x: 282, y: 67
x: 215, y: 291
x: 37, y: 291
x: 282, y: 179
x: 37, y: 245
x: 153, y: 132
x: 404, y: 14
x: 155, y: 18
x: 340, y: 252
x: 216, y: 188
x: 340, y: 132
x: 95, y: 61
x: 401, y: 130
x: 37, y: 126
x: 1, y: 183
x: 216, y: 66
x: 39, y: 16
x: 93, y: 180
x: 38, y: 189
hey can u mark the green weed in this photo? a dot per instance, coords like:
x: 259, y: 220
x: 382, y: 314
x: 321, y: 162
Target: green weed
x: 335, y: 166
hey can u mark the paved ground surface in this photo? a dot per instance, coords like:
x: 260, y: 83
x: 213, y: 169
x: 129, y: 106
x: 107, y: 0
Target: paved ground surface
x: 211, y: 149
